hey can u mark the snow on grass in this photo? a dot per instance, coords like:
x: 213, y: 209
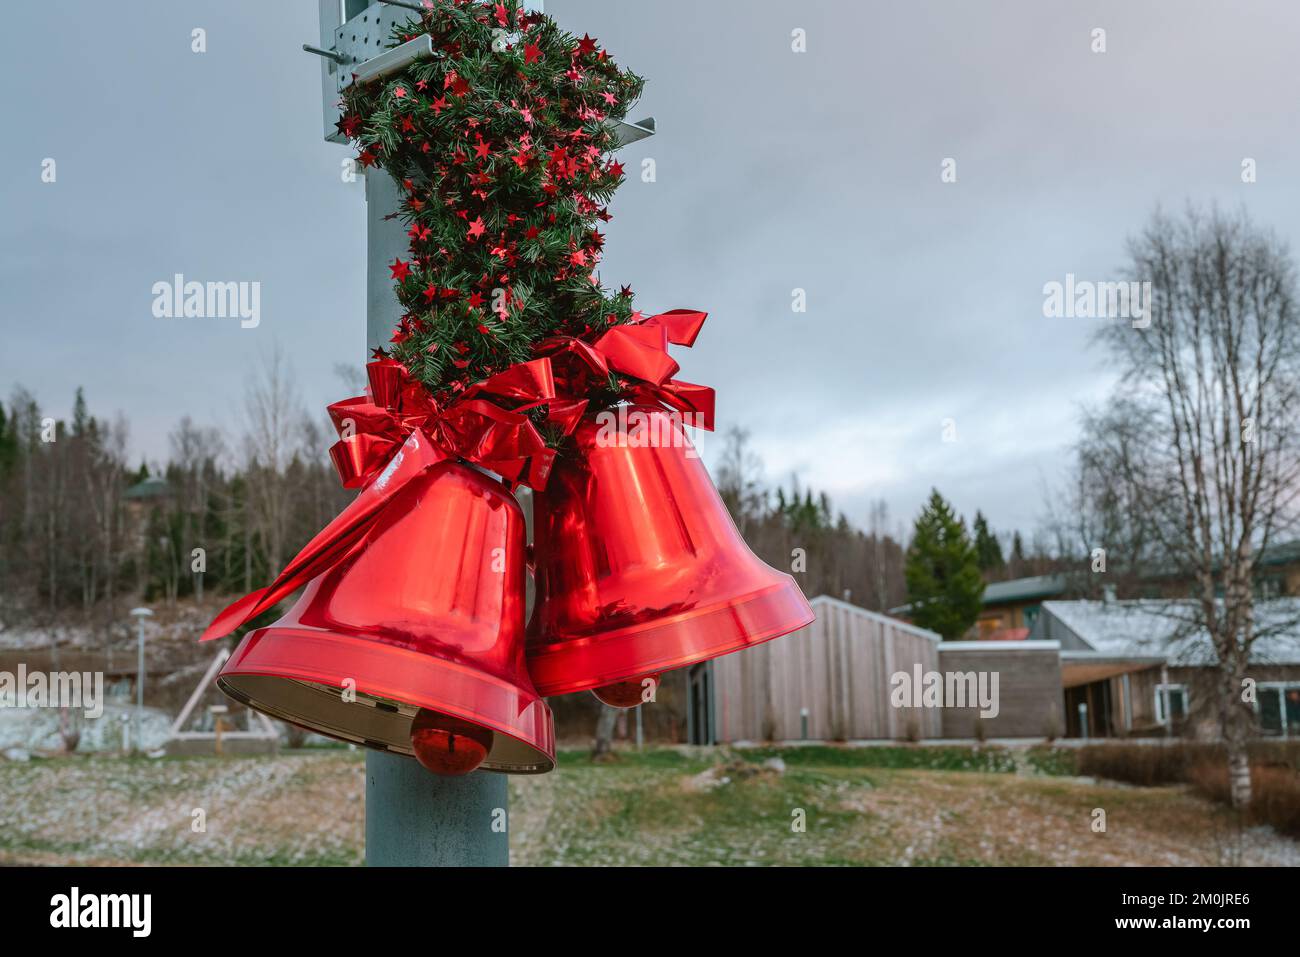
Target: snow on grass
x: 640, y: 809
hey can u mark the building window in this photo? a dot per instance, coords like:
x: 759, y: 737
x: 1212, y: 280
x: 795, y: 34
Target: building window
x: 1171, y: 703
x: 1278, y: 706
x: 1268, y: 588
x: 1029, y: 614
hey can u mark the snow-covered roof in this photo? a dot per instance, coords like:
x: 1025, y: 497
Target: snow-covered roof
x: 1157, y: 628
x: 1024, y: 589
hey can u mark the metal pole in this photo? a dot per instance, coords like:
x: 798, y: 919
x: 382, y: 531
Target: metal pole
x: 414, y: 818
x: 140, y: 614
x: 139, y: 683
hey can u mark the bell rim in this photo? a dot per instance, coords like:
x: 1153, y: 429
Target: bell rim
x: 541, y: 744
x: 558, y: 656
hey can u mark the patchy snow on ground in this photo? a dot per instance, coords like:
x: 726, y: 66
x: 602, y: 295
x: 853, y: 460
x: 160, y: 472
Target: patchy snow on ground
x: 38, y: 729
x: 661, y: 807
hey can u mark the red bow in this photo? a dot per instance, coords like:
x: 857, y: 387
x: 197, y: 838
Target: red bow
x: 372, y: 427
x: 638, y: 350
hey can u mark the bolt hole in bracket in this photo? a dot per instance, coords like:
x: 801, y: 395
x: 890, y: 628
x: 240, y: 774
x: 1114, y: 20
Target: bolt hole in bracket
x: 353, y: 35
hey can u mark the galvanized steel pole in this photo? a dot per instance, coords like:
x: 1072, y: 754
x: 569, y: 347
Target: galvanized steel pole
x: 414, y: 818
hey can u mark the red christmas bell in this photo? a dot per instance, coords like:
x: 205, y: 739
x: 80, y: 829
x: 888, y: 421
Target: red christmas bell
x: 640, y: 568
x: 412, y: 642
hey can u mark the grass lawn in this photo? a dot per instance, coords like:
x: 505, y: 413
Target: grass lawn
x: 883, y: 805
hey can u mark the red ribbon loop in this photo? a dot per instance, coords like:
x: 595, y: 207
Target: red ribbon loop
x: 639, y: 351
x: 371, y: 427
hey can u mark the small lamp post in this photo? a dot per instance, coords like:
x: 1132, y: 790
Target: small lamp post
x: 139, y: 614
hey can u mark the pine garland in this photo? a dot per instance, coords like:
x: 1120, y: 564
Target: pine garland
x: 501, y: 144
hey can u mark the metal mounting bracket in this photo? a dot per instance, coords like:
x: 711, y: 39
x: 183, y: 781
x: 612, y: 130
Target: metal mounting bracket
x: 355, y: 49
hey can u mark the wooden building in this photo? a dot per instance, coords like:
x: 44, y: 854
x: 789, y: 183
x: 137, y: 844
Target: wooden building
x: 1029, y: 702
x: 826, y: 682
x: 1091, y: 669
x: 1138, y: 668
x: 1010, y: 608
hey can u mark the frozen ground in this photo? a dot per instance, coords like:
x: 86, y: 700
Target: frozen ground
x: 669, y: 806
x: 38, y: 729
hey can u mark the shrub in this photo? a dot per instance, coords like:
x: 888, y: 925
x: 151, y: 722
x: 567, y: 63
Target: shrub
x: 1275, y: 793
x: 1147, y: 765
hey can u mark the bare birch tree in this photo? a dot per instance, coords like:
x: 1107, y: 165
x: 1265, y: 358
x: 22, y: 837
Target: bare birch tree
x: 1215, y: 377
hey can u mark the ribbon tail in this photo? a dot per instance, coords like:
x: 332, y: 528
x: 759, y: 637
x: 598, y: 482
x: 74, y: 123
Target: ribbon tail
x: 233, y: 615
x: 332, y: 544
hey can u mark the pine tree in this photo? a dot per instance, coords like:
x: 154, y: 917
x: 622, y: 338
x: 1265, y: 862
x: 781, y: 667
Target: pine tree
x: 988, y: 551
x: 1017, y: 552
x: 81, y: 419
x: 8, y: 444
x: 944, y: 585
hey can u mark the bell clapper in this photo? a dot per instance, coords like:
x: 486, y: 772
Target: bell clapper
x: 629, y: 693
x: 447, y: 745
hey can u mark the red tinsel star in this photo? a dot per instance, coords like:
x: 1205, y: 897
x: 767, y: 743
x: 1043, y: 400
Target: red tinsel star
x: 400, y: 269
x: 586, y: 45
x: 532, y: 53
x: 476, y: 228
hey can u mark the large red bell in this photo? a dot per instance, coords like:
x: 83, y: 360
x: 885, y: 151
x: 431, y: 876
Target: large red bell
x: 640, y: 568
x: 413, y: 642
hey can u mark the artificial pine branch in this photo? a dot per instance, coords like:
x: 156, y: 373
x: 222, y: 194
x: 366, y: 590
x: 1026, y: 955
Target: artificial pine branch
x: 501, y: 145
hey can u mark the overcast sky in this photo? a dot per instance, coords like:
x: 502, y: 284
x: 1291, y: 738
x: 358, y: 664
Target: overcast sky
x: 776, y: 171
